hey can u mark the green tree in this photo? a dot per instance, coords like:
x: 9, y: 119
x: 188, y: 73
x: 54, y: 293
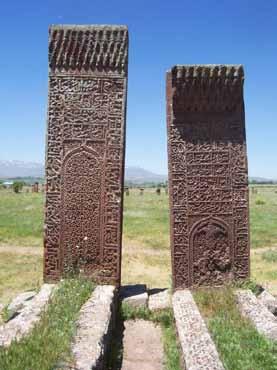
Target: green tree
x: 17, y: 186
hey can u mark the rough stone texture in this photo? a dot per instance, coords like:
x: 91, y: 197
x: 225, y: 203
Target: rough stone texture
x: 269, y: 301
x: 159, y: 300
x: 264, y: 321
x: 208, y: 184
x: 94, y: 328
x: 143, y: 348
x: 199, y: 351
x: 134, y: 295
x: 85, y: 151
x: 19, y: 302
x: 22, y: 324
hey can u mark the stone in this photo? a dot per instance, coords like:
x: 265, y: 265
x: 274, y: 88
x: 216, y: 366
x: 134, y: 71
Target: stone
x: 94, y: 328
x: 85, y: 151
x: 23, y: 323
x: 19, y: 302
x: 35, y: 187
x: 208, y: 183
x: 159, y: 300
x: 269, y: 301
x: 251, y: 308
x: 135, y: 295
x: 198, y: 349
x: 142, y: 346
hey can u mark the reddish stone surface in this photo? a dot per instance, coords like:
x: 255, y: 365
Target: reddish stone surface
x: 85, y: 151
x: 208, y: 183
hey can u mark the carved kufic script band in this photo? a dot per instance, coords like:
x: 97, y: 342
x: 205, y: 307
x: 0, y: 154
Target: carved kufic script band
x: 208, y: 183
x: 85, y: 151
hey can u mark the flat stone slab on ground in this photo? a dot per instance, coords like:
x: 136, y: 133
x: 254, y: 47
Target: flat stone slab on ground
x: 250, y: 307
x: 94, y: 329
x: 142, y: 346
x: 159, y: 299
x: 199, y: 351
x: 269, y: 301
x: 19, y: 302
x: 23, y: 323
x: 135, y: 295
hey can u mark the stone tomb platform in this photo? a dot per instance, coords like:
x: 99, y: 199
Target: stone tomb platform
x: 258, y: 312
x: 198, y: 349
x: 28, y: 315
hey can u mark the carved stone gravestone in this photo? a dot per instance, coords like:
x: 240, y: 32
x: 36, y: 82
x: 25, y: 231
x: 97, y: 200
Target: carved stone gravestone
x: 208, y: 184
x: 85, y: 151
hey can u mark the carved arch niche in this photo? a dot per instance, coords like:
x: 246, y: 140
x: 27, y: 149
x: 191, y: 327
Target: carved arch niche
x: 81, y: 210
x: 210, y: 252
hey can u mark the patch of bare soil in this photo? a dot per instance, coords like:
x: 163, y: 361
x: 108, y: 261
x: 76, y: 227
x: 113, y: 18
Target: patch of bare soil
x: 142, y: 346
x: 34, y: 251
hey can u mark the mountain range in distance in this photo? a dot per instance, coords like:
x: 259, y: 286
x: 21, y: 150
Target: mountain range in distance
x: 14, y: 169
x: 133, y: 174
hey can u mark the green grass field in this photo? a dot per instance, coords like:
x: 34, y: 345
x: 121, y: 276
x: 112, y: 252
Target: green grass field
x: 146, y: 252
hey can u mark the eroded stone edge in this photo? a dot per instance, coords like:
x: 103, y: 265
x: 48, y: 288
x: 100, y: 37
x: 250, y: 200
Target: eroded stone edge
x: 22, y: 324
x: 94, y: 329
x: 263, y: 320
x: 198, y: 349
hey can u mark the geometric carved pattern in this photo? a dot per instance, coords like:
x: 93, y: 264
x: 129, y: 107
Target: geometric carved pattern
x: 208, y: 183
x: 85, y: 151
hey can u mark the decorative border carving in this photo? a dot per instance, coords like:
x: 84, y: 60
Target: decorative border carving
x: 207, y: 164
x: 87, y: 109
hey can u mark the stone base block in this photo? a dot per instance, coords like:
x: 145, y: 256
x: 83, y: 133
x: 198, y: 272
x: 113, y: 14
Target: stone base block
x: 269, y: 301
x: 135, y: 295
x: 159, y: 299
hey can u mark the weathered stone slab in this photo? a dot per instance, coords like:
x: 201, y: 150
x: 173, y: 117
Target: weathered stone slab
x: 135, y: 295
x: 19, y: 302
x: 94, y: 329
x: 269, y: 301
x: 199, y: 351
x: 142, y: 346
x: 208, y: 184
x: 160, y: 300
x: 264, y: 321
x: 85, y: 151
x: 22, y: 324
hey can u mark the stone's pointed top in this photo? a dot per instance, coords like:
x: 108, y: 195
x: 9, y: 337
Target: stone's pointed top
x: 88, y: 48
x: 207, y: 71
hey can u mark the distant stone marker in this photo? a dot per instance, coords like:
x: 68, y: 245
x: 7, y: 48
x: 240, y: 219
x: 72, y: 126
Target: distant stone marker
x: 85, y: 151
x: 207, y: 175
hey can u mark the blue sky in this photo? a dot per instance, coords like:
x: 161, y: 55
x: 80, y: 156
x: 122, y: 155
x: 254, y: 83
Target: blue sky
x: 162, y: 33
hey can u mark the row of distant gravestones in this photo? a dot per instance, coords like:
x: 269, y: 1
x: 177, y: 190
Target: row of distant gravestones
x: 141, y: 191
x: 35, y: 188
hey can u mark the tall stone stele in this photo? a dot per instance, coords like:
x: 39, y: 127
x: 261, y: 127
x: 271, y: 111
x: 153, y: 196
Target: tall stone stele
x: 207, y: 175
x: 85, y: 151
